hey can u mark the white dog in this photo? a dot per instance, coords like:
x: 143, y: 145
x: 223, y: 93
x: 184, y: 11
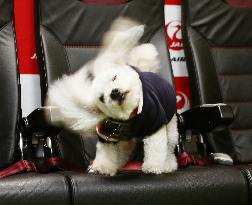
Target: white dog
x: 111, y: 86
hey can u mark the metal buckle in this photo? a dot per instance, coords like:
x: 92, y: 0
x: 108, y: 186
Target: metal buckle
x: 116, y: 131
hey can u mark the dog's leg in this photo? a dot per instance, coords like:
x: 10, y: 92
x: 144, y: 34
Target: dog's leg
x: 110, y: 157
x: 159, y: 154
x: 125, y: 150
x: 106, y: 160
x: 155, y: 148
x: 172, y: 133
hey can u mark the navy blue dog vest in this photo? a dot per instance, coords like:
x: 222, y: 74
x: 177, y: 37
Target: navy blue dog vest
x: 159, y: 104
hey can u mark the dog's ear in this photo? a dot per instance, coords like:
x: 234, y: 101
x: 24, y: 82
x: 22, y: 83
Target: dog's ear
x: 123, y: 35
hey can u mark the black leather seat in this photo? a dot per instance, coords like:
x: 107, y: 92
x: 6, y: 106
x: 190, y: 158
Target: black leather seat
x: 10, y: 104
x: 23, y: 188
x: 68, y: 35
x: 218, y: 40
x: 60, y: 32
x: 193, y: 185
x: 33, y: 188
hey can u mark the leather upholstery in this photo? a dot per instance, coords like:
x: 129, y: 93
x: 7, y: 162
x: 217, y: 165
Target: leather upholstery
x: 218, y: 40
x: 193, y: 185
x: 69, y: 34
x: 39, y: 189
x: 63, y: 31
x: 247, y: 172
x: 9, y: 95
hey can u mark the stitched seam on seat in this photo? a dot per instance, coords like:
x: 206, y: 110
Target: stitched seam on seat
x: 71, y: 188
x: 44, y: 76
x: 82, y: 46
x: 57, y: 146
x: 248, y: 178
x: 19, y: 109
x: 240, y: 129
x: 232, y: 47
x: 234, y: 74
x: 216, y: 73
x: 59, y: 42
x: 83, y: 150
x: 239, y: 102
x: 111, y: 4
x: 40, y: 52
x: 5, y: 25
x: 194, y: 63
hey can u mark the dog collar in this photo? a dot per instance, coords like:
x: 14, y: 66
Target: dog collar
x: 134, y: 113
x: 110, y: 130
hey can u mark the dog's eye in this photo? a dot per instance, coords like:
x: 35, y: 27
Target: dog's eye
x: 114, y: 78
x: 101, y: 98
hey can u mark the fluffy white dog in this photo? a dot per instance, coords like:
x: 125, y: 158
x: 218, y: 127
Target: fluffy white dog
x: 111, y: 86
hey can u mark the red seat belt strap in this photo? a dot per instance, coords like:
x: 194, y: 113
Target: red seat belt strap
x: 53, y: 163
x: 185, y: 159
x: 60, y: 164
x: 18, y: 167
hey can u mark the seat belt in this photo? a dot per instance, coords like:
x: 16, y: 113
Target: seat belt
x: 50, y: 165
x: 185, y: 159
x: 18, y: 167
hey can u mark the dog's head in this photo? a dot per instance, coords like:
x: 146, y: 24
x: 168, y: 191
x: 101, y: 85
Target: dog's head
x: 118, y: 91
x: 116, y: 85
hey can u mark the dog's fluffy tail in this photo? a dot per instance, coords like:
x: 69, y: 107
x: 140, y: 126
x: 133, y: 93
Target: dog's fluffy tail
x: 123, y: 35
x: 120, y: 44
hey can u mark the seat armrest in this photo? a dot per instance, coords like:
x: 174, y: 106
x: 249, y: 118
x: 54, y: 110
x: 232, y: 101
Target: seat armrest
x: 36, y: 135
x: 206, y: 118
x: 37, y: 121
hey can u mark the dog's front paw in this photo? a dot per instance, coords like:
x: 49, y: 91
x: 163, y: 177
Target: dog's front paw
x: 149, y: 168
x: 170, y: 166
x: 104, y: 168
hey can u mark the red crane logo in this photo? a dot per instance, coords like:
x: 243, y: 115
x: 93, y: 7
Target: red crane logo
x: 174, y: 35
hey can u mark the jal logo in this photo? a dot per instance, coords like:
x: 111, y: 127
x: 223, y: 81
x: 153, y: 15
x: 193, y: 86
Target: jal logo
x: 183, y: 102
x: 178, y: 59
x: 174, y: 35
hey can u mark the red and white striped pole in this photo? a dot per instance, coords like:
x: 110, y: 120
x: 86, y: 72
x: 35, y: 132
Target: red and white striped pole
x: 27, y: 59
x: 178, y: 61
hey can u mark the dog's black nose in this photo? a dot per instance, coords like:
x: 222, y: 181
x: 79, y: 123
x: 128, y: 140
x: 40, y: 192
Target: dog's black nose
x: 116, y: 95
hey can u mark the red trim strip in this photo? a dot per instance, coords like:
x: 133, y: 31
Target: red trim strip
x: 173, y: 2
x: 82, y: 46
x: 104, y: 2
x: 24, y: 26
